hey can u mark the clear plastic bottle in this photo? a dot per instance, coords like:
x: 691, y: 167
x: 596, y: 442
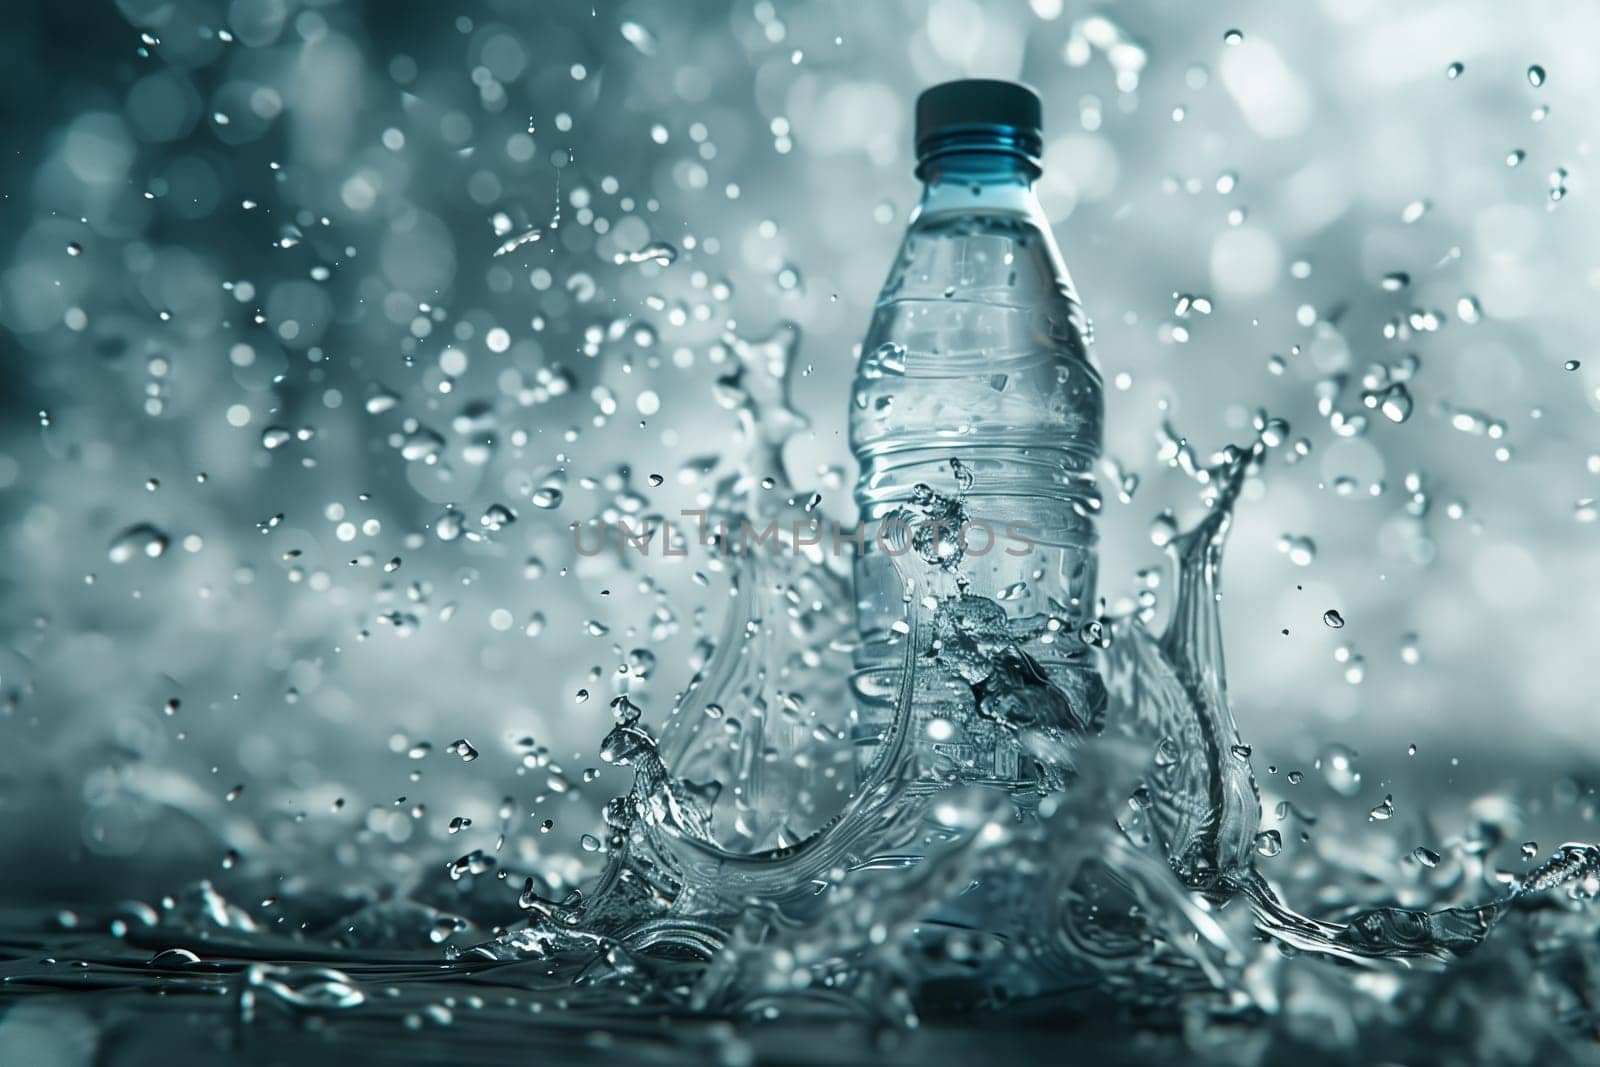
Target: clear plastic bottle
x: 978, y: 353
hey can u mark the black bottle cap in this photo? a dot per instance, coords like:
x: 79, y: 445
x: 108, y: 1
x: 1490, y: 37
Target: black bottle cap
x: 980, y: 109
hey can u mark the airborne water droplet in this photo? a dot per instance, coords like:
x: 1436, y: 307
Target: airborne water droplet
x: 497, y: 517
x: 660, y: 253
x: 447, y: 527
x: 1396, y: 403
x: 1333, y: 619
x: 1383, y: 811
x: 1536, y: 75
x: 1454, y: 70
x: 1425, y: 856
x: 1233, y: 37
x: 1302, y: 551
x: 639, y: 37
x: 1339, y: 771
x: 422, y: 444
x: 1163, y: 528
x: 140, y: 539
x: 1558, y: 184
x: 1415, y: 210
x: 461, y: 747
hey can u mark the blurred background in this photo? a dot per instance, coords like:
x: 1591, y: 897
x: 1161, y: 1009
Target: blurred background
x: 322, y: 322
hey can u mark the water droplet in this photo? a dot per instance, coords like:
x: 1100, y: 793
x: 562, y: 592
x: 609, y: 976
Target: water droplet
x: 1536, y: 75
x: 1395, y: 402
x: 497, y: 517
x: 421, y: 444
x: 1302, y: 551
x: 461, y: 747
x: 1395, y: 281
x: 1515, y: 156
x: 1163, y: 528
x: 1558, y: 184
x: 1269, y: 843
x: 1333, y: 619
x: 275, y: 437
x: 547, y: 498
x: 888, y: 359
x: 1383, y: 811
x: 1339, y: 770
x: 448, y: 527
x: 528, y: 236
x: 660, y: 253
x: 458, y: 824
x: 639, y: 37
x: 140, y: 539
x: 74, y: 248
x: 1454, y: 70
x: 1415, y: 210
x: 1233, y: 37
x: 1425, y: 856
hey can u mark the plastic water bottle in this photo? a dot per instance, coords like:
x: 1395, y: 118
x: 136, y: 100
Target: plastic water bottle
x: 978, y: 353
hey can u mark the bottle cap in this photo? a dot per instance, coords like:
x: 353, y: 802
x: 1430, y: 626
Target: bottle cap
x: 978, y: 110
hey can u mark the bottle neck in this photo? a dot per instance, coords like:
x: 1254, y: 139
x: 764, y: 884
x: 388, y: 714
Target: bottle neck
x: 978, y: 179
